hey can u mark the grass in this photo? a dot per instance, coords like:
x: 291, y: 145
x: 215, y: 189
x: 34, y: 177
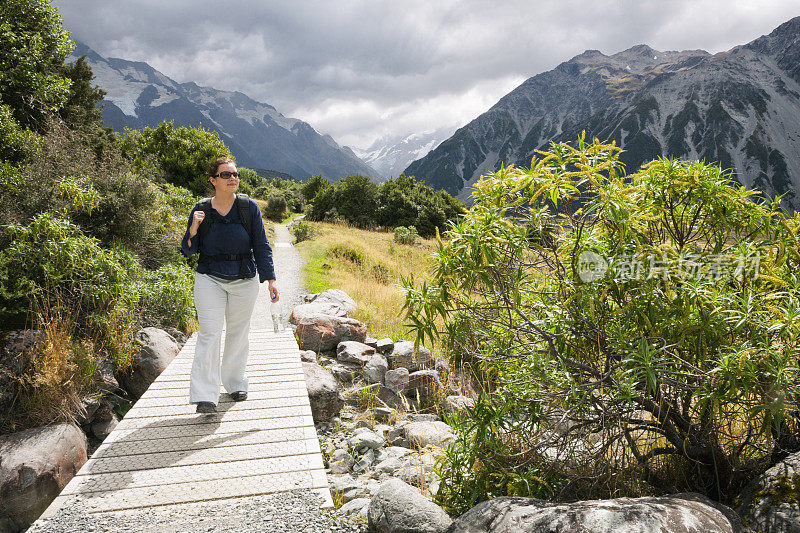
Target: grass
x: 367, y: 265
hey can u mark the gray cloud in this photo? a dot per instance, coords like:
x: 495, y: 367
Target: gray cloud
x: 360, y: 69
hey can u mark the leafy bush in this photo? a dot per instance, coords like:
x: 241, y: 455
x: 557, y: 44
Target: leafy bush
x: 164, y: 297
x: 276, y: 208
x: 403, y: 235
x: 650, y: 348
x: 52, y: 258
x: 303, y: 231
x: 183, y: 154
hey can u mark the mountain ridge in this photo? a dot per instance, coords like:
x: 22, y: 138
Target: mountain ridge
x: 138, y: 95
x: 740, y: 108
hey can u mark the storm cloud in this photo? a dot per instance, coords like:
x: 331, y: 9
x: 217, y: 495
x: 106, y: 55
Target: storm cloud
x: 359, y: 70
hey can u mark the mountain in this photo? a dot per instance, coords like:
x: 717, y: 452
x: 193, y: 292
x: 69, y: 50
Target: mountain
x: 390, y: 154
x: 740, y: 108
x: 138, y: 95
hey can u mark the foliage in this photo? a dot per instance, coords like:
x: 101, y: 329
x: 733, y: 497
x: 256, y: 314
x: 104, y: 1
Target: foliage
x: 32, y: 83
x: 400, y: 202
x: 314, y: 186
x: 164, y: 297
x: 405, y: 235
x: 182, y: 154
x: 665, y: 372
x: 276, y: 208
x: 303, y: 231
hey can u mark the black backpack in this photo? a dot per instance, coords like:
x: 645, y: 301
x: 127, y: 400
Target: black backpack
x: 243, y: 204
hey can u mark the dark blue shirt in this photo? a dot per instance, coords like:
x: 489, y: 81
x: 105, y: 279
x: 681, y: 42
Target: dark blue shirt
x: 225, y: 238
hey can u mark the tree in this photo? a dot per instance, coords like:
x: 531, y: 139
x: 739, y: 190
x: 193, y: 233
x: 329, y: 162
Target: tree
x: 184, y: 154
x: 649, y: 347
x: 313, y: 186
x: 35, y: 44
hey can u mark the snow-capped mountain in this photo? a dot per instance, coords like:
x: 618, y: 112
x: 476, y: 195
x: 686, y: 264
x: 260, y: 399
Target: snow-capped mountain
x: 138, y: 95
x: 740, y: 108
x: 391, y: 154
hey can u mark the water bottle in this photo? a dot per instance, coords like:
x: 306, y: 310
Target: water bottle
x: 277, y: 318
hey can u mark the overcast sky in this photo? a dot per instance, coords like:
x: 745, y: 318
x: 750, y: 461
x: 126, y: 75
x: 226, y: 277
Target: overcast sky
x: 362, y: 69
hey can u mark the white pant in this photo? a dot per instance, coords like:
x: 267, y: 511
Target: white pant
x: 216, y: 300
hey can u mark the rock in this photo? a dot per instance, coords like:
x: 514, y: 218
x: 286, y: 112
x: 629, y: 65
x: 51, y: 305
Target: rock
x: 373, y: 396
x: 355, y: 509
x: 361, y: 423
x: 35, y: 465
x: 158, y: 349
x: 367, y: 439
x: 396, y: 380
x: 354, y: 352
x: 323, y: 392
x: 398, y: 507
x: 344, y: 372
x: 771, y: 502
x: 346, y: 488
x: 393, y: 452
x: 16, y: 359
x: 179, y: 336
x: 325, y: 307
x: 403, y: 355
x: 382, y: 414
x: 371, y: 341
x: 384, y: 346
x: 397, y: 437
x: 421, y: 434
x: 456, y: 404
x: 417, y: 471
x: 333, y: 295
x: 375, y: 369
x: 442, y: 366
x: 422, y: 417
x: 89, y: 406
x: 104, y: 376
x: 308, y: 356
x: 341, y: 462
x: 103, y: 428
x: 423, y: 384
x: 321, y: 333
x: 678, y: 513
x: 364, y: 462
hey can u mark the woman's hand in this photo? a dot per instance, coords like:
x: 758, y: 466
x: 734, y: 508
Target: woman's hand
x: 273, y: 291
x: 197, y: 219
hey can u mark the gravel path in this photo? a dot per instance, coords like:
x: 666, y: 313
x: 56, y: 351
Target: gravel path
x: 288, y: 512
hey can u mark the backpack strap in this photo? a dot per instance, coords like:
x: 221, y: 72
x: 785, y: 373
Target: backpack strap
x: 243, y: 203
x: 205, y: 225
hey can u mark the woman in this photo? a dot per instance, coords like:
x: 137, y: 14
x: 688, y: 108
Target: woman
x: 225, y: 284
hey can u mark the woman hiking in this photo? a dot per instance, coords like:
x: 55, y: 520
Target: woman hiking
x: 228, y: 232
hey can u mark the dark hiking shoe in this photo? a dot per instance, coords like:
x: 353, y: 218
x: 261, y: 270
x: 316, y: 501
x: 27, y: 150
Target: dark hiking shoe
x: 206, y: 407
x: 238, y: 396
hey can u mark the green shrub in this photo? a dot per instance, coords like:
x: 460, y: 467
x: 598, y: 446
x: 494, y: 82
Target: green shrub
x: 651, y: 347
x: 303, y: 231
x: 182, y: 154
x: 52, y: 258
x: 276, y: 208
x: 165, y: 297
x: 403, y: 235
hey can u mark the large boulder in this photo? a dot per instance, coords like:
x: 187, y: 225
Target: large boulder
x: 396, y: 380
x: 35, y: 465
x: 771, y: 502
x: 157, y: 350
x: 678, y: 513
x: 403, y: 355
x: 375, y: 369
x: 317, y: 308
x: 456, y: 404
x: 428, y: 433
x: 397, y: 507
x: 323, y: 332
x: 336, y: 296
x: 323, y: 392
x: 354, y: 352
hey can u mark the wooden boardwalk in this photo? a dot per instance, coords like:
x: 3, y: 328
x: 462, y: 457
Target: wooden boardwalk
x: 163, y: 453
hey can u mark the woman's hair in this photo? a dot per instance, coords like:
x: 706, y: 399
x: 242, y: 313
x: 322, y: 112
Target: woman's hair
x: 212, y: 170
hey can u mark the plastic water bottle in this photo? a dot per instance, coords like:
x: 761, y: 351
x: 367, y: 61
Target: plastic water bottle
x: 277, y: 318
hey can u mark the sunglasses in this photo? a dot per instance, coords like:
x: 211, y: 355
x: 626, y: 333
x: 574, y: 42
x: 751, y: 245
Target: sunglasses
x: 227, y: 174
